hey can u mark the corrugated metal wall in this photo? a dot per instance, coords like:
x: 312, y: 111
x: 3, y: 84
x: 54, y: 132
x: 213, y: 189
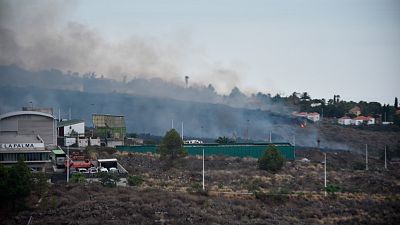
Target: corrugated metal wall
x: 237, y: 150
x: 32, y: 124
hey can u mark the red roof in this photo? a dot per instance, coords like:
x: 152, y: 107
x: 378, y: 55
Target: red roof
x: 363, y: 118
x: 344, y: 117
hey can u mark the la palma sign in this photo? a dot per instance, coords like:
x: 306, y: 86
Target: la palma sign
x: 22, y: 145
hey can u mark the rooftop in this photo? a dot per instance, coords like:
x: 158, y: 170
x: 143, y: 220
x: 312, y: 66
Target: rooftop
x: 69, y: 123
x: 18, y: 113
x: 58, y: 152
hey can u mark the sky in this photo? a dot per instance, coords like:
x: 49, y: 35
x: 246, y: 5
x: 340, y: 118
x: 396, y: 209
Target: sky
x: 345, y: 47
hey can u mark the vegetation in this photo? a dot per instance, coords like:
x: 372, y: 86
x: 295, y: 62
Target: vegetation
x: 197, y: 188
x: 15, y: 185
x: 332, y: 189
x: 40, y: 185
x: 272, y: 160
x: 171, y: 146
x: 135, y: 180
x: 273, y: 196
x: 225, y: 140
x: 77, y: 178
x: 108, y: 179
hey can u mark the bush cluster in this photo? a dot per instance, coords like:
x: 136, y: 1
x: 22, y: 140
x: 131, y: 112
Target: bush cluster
x: 135, y: 180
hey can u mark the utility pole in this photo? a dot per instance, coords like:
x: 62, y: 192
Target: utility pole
x: 270, y: 137
x: 385, y: 159
x: 182, y: 131
x: 68, y: 164
x: 294, y: 146
x: 366, y: 156
x: 69, y: 118
x: 248, y: 136
x: 203, y: 170
x: 325, y: 173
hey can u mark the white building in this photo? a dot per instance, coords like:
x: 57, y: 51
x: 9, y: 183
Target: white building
x: 71, y: 128
x: 313, y: 116
x: 345, y: 120
x: 83, y: 142
x: 359, y: 120
x: 193, y: 142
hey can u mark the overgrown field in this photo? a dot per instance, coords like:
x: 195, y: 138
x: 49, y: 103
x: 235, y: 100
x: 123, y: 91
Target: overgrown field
x: 236, y: 193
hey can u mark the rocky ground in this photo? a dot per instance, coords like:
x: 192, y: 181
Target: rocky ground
x: 237, y: 193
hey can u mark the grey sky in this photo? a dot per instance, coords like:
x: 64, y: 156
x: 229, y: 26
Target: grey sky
x: 349, y: 47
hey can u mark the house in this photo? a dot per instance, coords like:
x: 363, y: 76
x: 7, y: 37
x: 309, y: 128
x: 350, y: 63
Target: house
x: 355, y: 111
x: 359, y: 120
x: 313, y: 116
x: 345, y: 120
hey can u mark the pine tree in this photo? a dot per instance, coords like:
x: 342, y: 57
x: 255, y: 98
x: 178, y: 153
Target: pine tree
x: 171, y: 145
x: 272, y: 160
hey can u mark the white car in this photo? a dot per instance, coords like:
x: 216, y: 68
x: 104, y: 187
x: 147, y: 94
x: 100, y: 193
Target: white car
x: 105, y: 170
x: 93, y: 170
x: 113, y: 170
x: 83, y: 170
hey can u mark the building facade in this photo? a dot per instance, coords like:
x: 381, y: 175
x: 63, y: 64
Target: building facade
x: 71, y: 128
x: 30, y: 123
x: 29, y: 136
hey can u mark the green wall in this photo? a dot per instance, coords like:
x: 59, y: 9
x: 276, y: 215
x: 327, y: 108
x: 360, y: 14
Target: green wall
x: 236, y: 150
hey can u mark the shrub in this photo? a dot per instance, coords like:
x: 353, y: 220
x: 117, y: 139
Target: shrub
x: 272, y: 160
x: 331, y: 189
x: 358, y: 166
x: 135, y: 180
x: 197, y: 188
x: 108, y: 179
x: 40, y: 184
x: 254, y: 185
x: 77, y: 178
x: 274, y: 195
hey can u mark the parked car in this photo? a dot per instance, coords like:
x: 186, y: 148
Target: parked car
x: 93, y: 170
x: 113, y: 170
x: 104, y: 170
x: 83, y: 170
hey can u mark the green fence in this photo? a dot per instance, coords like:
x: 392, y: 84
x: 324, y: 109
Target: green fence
x: 236, y: 150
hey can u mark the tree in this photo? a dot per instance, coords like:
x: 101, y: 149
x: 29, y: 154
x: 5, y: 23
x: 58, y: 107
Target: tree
x: 15, y: 185
x: 171, y: 145
x: 272, y: 160
x: 396, y: 103
x: 20, y: 179
x: 39, y: 183
x: 224, y: 140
